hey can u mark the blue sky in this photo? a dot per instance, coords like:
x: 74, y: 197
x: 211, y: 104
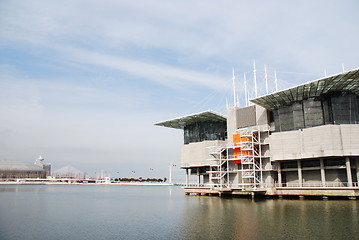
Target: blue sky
x: 82, y: 82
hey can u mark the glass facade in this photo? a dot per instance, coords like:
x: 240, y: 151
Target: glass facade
x: 207, y: 130
x: 333, y: 108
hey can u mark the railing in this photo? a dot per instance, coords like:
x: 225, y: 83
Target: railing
x: 314, y: 185
x: 189, y: 185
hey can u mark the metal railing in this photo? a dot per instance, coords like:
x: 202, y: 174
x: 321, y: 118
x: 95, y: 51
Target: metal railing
x: 315, y: 185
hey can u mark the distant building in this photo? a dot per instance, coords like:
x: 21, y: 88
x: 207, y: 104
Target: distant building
x: 15, y: 169
x: 69, y: 172
x: 299, y: 141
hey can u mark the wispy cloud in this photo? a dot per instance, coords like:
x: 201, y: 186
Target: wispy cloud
x: 94, y: 69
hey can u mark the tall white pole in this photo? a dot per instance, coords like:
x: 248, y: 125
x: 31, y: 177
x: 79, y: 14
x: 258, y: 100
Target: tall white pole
x: 266, y: 78
x: 255, y: 78
x: 170, y: 173
x: 343, y: 67
x: 245, y: 90
x: 276, y: 80
x: 234, y: 88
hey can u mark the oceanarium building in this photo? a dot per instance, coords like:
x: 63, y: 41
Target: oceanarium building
x: 301, y: 141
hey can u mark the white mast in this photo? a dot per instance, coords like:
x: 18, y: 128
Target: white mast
x: 325, y: 72
x: 234, y: 89
x: 343, y: 67
x: 266, y: 78
x: 276, y: 80
x: 245, y: 90
x: 255, y: 78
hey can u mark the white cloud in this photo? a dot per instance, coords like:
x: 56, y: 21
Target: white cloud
x: 76, y: 76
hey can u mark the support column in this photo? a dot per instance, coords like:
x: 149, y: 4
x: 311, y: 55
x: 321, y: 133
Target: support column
x: 322, y: 171
x: 357, y: 169
x: 300, y: 175
x: 279, y: 174
x: 349, y: 172
x: 198, y: 178
x: 187, y: 177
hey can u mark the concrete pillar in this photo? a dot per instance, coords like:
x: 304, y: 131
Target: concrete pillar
x: 349, y: 172
x: 322, y: 171
x: 357, y: 169
x: 300, y: 175
x: 198, y: 178
x: 187, y: 177
x: 279, y: 174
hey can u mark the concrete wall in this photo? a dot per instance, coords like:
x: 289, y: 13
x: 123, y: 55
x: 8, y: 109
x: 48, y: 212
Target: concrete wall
x: 198, y: 154
x: 237, y: 118
x: 315, y: 142
x: 312, y: 176
x: 336, y: 175
x: 232, y: 123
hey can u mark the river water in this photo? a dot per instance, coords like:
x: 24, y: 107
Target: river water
x: 158, y: 212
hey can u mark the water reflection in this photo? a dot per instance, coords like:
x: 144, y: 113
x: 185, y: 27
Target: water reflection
x: 216, y: 218
x: 130, y: 212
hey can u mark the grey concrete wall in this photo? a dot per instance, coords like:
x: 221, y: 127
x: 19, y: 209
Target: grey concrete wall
x: 315, y: 142
x: 246, y: 116
x: 261, y: 117
x: 198, y: 154
x: 232, y: 124
x: 205, y: 179
x: 335, y: 175
x: 312, y: 176
x: 268, y: 178
x: 291, y: 177
x: 266, y: 164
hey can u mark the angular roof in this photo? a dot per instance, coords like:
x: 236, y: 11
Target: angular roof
x: 181, y: 122
x: 345, y: 81
x: 19, y: 166
x: 68, y: 170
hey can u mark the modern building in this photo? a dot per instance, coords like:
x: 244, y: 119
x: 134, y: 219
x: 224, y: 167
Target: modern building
x: 301, y: 141
x: 11, y: 170
x: 69, y: 172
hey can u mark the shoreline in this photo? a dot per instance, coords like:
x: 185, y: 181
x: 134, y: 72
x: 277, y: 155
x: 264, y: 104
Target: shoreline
x: 87, y: 184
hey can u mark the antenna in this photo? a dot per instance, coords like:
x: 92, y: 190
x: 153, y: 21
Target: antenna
x: 245, y: 90
x: 266, y: 77
x: 325, y: 72
x: 234, y: 88
x: 255, y: 78
x: 276, y: 80
x: 343, y: 67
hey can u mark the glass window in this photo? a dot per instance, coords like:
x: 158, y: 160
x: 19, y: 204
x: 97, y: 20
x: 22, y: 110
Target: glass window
x: 202, y: 131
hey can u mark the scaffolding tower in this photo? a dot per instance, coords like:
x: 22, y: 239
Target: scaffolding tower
x: 218, y: 173
x: 244, y: 158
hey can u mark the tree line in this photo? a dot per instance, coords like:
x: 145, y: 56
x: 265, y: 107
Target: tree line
x: 140, y: 179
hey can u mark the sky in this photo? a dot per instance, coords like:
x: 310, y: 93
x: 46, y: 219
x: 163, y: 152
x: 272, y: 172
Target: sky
x: 82, y: 82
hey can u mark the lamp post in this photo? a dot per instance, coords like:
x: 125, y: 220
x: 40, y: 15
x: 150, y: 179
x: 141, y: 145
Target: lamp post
x: 171, y: 165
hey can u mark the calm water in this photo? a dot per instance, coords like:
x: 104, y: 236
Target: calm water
x: 139, y: 212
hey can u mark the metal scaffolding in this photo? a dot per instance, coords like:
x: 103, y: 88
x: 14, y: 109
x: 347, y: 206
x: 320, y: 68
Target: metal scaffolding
x: 244, y: 163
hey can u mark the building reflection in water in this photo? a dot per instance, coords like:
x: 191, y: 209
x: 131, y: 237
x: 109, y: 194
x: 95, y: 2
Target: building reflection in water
x: 220, y: 218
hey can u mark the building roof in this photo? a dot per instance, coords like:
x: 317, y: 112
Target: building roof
x: 68, y: 170
x: 345, y: 81
x: 181, y: 122
x: 19, y: 166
